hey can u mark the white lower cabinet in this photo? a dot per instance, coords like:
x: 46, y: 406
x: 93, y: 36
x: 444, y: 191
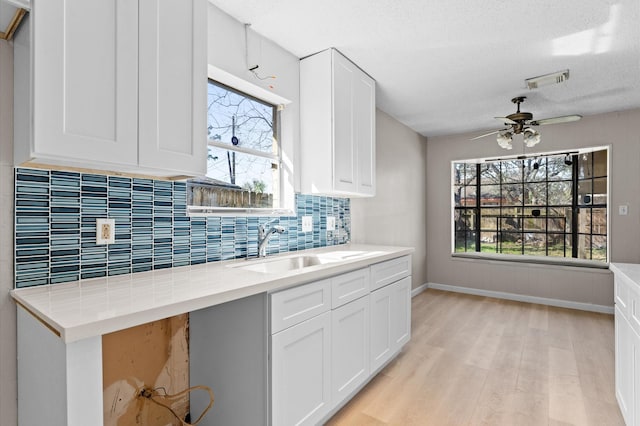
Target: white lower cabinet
x: 624, y: 366
x: 627, y: 346
x: 390, y: 321
x: 328, y: 338
x: 349, y: 348
x: 301, y: 362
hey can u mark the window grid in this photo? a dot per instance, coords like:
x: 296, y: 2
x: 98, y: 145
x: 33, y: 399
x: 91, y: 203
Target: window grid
x: 505, y: 224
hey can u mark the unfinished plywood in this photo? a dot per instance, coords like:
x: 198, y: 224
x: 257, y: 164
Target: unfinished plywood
x: 153, y: 355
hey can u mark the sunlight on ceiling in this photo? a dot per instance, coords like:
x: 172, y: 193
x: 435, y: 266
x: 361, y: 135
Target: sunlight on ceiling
x: 594, y: 41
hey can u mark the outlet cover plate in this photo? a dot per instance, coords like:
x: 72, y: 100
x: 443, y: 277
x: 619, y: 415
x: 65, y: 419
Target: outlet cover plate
x: 105, y: 231
x: 307, y: 223
x: 331, y: 223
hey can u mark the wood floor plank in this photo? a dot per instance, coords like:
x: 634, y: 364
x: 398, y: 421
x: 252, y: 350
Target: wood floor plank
x: 475, y: 360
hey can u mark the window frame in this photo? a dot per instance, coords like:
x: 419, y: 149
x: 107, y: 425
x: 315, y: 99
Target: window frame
x: 472, y: 228
x: 286, y: 196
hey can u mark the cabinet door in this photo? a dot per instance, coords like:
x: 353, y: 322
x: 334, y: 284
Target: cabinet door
x: 85, y: 81
x: 636, y: 377
x: 301, y: 362
x: 364, y: 132
x: 350, y: 348
x: 390, y: 321
x: 173, y: 85
x: 381, y: 340
x: 401, y: 312
x: 344, y: 149
x: 624, y: 365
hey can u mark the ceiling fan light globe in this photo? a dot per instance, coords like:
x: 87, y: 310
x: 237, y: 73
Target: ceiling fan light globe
x: 504, y: 140
x: 530, y: 137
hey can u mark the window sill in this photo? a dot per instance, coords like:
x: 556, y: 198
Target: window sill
x: 537, y: 260
x: 232, y: 211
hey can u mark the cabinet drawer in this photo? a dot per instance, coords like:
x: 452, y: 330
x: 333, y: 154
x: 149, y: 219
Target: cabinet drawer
x: 348, y: 287
x: 384, y: 273
x: 292, y: 306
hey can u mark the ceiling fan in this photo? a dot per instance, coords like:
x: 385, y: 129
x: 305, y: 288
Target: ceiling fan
x: 521, y: 122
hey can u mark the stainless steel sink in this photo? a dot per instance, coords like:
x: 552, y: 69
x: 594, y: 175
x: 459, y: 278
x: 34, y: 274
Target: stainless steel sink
x: 273, y: 266
x: 296, y: 262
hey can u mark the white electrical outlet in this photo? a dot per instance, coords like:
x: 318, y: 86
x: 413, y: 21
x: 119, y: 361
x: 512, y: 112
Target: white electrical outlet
x: 623, y: 210
x: 331, y: 223
x: 105, y: 231
x: 307, y: 224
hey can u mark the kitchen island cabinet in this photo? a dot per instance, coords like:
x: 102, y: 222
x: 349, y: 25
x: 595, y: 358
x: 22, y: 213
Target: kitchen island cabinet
x: 627, y: 340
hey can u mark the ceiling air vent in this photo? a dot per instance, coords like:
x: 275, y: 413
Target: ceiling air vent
x: 547, y: 79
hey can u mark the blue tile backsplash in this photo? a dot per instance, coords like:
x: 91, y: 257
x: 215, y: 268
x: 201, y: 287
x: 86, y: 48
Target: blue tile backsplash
x: 55, y: 227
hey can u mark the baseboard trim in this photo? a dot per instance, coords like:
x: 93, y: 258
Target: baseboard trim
x: 416, y: 291
x: 519, y: 298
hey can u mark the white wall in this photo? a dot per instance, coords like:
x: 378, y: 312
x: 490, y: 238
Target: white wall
x: 397, y: 214
x: 8, y: 380
x: 556, y: 282
x: 227, y: 50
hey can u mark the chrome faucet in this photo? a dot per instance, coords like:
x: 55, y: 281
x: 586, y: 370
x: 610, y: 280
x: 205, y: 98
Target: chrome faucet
x: 264, y: 235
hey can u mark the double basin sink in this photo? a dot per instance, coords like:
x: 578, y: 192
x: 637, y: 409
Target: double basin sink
x: 299, y: 261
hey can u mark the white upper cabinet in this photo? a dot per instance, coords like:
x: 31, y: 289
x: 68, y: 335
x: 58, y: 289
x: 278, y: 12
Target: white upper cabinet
x: 113, y: 85
x: 337, y: 126
x: 173, y: 85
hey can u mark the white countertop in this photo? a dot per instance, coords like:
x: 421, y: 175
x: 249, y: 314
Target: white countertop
x: 630, y: 270
x: 94, y: 307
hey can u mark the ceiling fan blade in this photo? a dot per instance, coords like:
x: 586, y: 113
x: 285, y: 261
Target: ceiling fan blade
x: 487, y: 134
x: 505, y: 120
x: 555, y: 120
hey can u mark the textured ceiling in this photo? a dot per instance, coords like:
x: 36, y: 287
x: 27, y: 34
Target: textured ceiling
x: 448, y: 67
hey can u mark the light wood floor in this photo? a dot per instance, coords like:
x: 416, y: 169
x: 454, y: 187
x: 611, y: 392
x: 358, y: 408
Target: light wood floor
x: 482, y: 361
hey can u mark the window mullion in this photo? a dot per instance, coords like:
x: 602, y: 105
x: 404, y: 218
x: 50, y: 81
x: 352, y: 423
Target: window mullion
x: 574, y: 206
x: 478, y: 210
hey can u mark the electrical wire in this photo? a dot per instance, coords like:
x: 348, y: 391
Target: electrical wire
x: 151, y: 394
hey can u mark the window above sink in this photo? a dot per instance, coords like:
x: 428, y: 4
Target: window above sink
x: 247, y: 168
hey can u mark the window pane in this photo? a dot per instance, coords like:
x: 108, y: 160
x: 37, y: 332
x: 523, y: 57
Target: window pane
x: 535, y: 244
x: 512, y: 171
x: 242, y: 171
x: 584, y: 246
x: 511, y: 223
x: 489, y: 173
x: 599, y: 221
x: 560, y: 193
x: 512, y: 194
x: 489, y: 219
x: 511, y: 243
x: 464, y: 196
x: 557, y: 169
x: 600, y: 191
x: 458, y: 173
x: 465, y: 241
x: 585, y: 191
x: 535, y: 194
x: 490, y: 195
x: 559, y: 219
x: 600, y: 163
x: 558, y: 245
x: 464, y: 219
x: 535, y: 169
x: 599, y: 247
x: 585, y: 165
x: 239, y: 120
x: 584, y: 220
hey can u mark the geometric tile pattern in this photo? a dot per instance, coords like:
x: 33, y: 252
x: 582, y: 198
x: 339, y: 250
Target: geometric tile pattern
x: 56, y: 214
